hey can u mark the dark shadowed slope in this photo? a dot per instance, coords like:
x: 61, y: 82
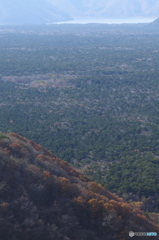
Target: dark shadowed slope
x: 45, y: 198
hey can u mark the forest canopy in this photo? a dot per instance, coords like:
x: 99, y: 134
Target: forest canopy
x: 90, y: 95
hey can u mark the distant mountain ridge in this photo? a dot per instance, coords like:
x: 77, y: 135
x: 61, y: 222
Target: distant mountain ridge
x: 49, y: 11
x: 110, y: 9
x: 30, y: 12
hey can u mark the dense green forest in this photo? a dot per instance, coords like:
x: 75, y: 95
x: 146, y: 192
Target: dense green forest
x: 90, y: 94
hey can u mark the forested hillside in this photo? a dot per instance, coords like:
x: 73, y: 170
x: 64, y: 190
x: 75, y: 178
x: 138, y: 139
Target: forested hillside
x: 90, y: 94
x: 45, y: 198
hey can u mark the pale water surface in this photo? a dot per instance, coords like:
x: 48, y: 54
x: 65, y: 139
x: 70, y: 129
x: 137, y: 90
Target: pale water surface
x: 109, y: 20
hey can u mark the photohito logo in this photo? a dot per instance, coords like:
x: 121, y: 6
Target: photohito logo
x: 145, y: 234
x: 131, y: 234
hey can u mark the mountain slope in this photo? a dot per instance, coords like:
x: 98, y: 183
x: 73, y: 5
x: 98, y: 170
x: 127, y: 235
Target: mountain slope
x: 43, y: 197
x: 114, y: 8
x: 30, y: 12
x: 155, y: 23
x: 153, y: 26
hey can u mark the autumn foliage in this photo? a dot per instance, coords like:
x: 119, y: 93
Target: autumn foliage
x: 45, y: 198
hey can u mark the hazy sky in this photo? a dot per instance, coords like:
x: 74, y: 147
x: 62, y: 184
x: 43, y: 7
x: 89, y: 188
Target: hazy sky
x: 44, y: 11
x: 108, y: 8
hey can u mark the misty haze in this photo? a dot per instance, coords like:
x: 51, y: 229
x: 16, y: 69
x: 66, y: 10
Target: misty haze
x: 79, y: 119
x: 49, y: 11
